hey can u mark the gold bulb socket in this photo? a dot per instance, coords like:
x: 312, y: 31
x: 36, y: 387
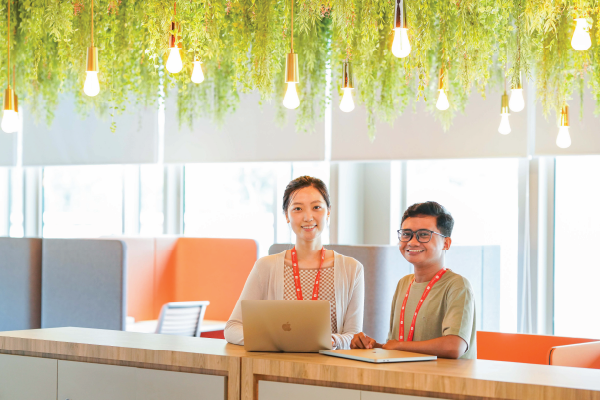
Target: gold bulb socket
x: 504, y: 106
x: 291, y: 68
x: 519, y: 84
x: 16, y: 103
x: 9, y: 99
x: 442, y: 80
x: 400, y: 18
x: 564, y: 116
x: 173, y: 38
x: 92, y: 59
x: 347, y: 78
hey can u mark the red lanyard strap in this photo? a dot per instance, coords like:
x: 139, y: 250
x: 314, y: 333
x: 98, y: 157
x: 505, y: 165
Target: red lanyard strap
x: 411, y: 333
x: 315, y: 295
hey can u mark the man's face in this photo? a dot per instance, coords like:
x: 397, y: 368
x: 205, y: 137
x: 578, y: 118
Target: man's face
x: 424, y: 254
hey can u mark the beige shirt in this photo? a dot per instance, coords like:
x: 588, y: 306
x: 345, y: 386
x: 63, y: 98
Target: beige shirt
x: 448, y: 310
x: 307, y: 283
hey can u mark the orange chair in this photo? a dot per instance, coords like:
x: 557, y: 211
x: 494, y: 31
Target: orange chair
x: 583, y: 355
x: 523, y: 348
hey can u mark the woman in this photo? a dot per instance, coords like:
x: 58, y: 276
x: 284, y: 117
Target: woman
x: 306, y: 207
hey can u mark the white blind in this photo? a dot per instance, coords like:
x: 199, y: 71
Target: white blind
x: 249, y: 134
x: 76, y: 140
x: 418, y: 135
x: 8, y: 149
x: 585, y: 133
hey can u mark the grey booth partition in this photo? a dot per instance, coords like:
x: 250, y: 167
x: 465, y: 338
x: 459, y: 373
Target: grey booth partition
x: 20, y: 283
x: 84, y: 283
x: 384, y: 266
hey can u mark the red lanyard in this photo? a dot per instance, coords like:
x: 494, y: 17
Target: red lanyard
x: 414, y: 320
x: 315, y: 295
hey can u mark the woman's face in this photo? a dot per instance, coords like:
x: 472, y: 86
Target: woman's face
x: 307, y: 213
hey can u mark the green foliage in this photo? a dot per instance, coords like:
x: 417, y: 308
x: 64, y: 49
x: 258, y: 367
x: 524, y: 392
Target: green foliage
x: 243, y: 44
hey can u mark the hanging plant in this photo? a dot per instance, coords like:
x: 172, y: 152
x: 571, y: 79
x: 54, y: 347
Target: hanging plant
x: 243, y: 44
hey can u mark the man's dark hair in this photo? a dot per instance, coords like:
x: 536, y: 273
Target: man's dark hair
x: 444, y: 220
x: 300, y: 183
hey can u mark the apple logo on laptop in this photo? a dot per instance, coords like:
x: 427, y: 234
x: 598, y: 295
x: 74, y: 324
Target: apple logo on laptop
x: 286, y: 327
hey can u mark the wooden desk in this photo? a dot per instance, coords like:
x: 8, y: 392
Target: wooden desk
x: 319, y: 376
x: 446, y: 379
x: 160, y: 352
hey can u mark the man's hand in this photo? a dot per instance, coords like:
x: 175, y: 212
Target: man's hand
x: 392, y: 345
x: 362, y: 341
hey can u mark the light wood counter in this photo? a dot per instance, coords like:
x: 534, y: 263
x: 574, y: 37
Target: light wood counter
x: 447, y: 379
x: 174, y: 353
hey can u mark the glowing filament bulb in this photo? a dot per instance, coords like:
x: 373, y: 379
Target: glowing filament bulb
x: 174, y: 64
x: 197, y: 74
x: 91, y: 87
x: 10, y: 121
x: 564, y: 139
x: 347, y: 103
x: 401, y: 45
x: 291, y: 99
x: 517, y: 102
x: 504, y: 127
x: 442, y: 102
x: 581, y: 37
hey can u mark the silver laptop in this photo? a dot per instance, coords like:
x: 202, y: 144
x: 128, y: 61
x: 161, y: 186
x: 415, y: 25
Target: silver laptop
x: 284, y: 325
x: 379, y: 355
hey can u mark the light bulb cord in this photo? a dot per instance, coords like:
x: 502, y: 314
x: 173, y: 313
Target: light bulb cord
x: 92, y: 23
x: 8, y: 55
x: 292, y: 1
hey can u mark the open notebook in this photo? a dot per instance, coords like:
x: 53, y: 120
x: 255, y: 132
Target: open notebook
x: 379, y: 355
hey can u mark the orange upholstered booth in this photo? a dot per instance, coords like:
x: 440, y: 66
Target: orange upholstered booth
x: 582, y: 355
x: 162, y: 270
x: 515, y: 347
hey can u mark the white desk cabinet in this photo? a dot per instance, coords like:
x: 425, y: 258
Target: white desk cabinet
x: 87, y: 381
x: 167, y: 385
x: 26, y: 378
x: 291, y: 391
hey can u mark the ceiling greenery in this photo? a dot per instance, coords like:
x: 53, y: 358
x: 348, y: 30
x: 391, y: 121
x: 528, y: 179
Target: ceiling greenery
x: 243, y: 45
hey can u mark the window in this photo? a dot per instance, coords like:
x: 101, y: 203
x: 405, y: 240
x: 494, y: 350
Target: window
x: 576, y: 272
x: 82, y: 201
x: 16, y: 219
x: 4, y: 201
x: 482, y: 196
x: 231, y: 201
x: 151, y: 200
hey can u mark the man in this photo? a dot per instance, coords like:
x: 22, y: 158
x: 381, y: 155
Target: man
x: 433, y: 310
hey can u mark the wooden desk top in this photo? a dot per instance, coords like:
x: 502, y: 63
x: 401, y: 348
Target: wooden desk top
x: 478, y: 378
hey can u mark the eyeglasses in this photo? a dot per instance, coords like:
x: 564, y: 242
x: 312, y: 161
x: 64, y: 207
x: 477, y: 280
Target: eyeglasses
x: 423, y: 235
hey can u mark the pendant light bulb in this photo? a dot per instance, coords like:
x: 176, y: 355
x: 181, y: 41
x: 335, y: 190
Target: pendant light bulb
x: 197, y: 74
x: 10, y: 121
x: 563, y: 140
x: 174, y: 63
x: 504, y: 127
x: 442, y: 101
x: 91, y: 87
x: 581, y: 37
x: 347, y: 103
x: 291, y: 99
x: 401, y: 45
x: 517, y: 102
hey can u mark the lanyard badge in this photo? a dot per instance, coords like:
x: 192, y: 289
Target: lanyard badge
x: 315, y: 295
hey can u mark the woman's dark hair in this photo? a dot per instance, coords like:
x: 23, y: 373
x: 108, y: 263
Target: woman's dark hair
x: 301, y: 183
x: 444, y: 220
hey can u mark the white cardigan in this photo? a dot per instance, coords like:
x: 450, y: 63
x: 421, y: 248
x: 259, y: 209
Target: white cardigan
x: 265, y: 282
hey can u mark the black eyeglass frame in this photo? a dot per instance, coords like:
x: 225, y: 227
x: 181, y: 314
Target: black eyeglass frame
x: 417, y: 231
